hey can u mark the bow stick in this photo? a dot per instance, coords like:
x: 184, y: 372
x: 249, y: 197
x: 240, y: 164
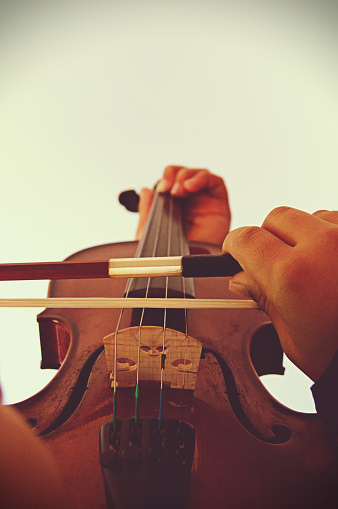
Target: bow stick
x: 114, y: 302
x: 185, y: 266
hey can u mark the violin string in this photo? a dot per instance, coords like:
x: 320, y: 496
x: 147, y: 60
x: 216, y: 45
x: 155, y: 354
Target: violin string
x: 129, y: 284
x: 157, y: 235
x: 143, y: 310
x: 186, y: 339
x: 163, y: 356
x: 115, y: 355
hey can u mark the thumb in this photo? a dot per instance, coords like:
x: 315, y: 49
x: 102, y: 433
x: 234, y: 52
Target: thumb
x: 146, y: 199
x: 243, y: 285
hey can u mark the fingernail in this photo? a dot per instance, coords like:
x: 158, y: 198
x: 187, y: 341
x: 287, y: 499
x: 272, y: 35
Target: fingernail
x: 238, y: 289
x: 162, y: 186
x: 176, y: 188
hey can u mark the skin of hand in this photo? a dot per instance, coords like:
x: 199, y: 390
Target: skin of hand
x: 206, y: 208
x: 28, y: 475
x: 290, y: 270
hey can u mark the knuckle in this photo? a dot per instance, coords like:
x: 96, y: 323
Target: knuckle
x: 219, y: 181
x: 247, y: 235
x: 171, y: 171
x: 182, y: 173
x: 331, y: 216
x: 278, y: 211
x: 320, y: 212
x: 185, y: 173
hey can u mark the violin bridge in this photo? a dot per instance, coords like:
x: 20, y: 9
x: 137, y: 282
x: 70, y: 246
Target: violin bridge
x: 180, y: 357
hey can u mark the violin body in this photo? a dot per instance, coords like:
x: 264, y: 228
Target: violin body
x: 251, y: 451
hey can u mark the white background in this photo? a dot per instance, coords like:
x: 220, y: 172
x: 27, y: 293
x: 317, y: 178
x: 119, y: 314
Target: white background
x: 98, y: 97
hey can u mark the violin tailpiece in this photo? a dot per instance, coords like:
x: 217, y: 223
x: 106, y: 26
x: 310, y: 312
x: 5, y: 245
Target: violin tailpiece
x: 147, y: 465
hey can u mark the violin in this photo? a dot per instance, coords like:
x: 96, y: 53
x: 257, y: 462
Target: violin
x: 163, y: 408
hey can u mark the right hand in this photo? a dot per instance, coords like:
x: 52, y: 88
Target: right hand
x: 290, y: 270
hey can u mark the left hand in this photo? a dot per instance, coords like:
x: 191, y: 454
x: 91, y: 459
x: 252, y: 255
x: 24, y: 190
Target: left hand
x: 206, y: 210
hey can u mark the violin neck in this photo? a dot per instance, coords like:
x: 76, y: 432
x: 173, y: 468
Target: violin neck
x: 163, y: 235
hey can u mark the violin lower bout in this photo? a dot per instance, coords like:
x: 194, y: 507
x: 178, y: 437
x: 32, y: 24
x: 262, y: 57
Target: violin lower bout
x: 231, y: 467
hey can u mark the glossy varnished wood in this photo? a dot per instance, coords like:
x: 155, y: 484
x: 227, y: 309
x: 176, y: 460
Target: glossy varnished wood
x: 251, y: 451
